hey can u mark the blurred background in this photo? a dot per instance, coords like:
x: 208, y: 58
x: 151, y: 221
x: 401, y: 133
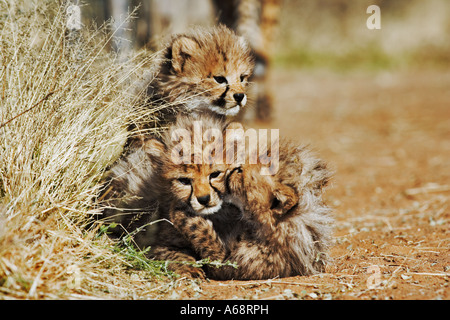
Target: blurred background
x: 320, y: 33
x: 334, y: 33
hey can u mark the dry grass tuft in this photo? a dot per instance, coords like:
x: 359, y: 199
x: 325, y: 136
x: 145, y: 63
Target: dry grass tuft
x: 64, y: 105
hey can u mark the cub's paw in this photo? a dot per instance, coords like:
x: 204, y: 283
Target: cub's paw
x: 190, y: 272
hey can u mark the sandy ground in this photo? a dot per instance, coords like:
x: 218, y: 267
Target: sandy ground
x: 387, y: 136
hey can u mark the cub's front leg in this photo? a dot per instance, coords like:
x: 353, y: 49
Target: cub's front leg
x: 200, y: 233
x: 172, y: 247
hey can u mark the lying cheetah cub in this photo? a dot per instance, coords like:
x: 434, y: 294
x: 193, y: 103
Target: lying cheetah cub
x: 195, y: 186
x: 175, y: 178
x: 286, y: 227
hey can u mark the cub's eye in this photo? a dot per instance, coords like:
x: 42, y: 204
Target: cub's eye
x: 220, y: 79
x: 243, y: 77
x: 214, y: 174
x: 236, y: 170
x: 184, y: 181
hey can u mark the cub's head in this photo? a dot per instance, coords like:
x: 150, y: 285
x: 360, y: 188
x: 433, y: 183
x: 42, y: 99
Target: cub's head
x: 207, y: 68
x: 201, y: 187
x: 297, y: 184
x: 192, y: 167
x: 263, y: 197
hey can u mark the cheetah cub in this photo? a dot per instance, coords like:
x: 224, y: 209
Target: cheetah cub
x: 185, y: 171
x: 202, y: 69
x: 193, y: 171
x: 286, y: 227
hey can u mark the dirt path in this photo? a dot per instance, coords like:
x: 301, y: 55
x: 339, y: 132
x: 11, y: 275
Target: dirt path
x: 388, y: 138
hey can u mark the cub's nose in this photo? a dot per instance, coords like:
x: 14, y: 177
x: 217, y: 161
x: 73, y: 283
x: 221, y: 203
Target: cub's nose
x: 238, y: 97
x: 203, y: 200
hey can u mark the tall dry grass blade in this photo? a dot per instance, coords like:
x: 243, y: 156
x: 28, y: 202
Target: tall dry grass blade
x: 64, y: 110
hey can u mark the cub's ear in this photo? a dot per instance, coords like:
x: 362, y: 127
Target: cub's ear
x: 154, y: 148
x: 243, y: 43
x: 284, y: 199
x: 183, y: 48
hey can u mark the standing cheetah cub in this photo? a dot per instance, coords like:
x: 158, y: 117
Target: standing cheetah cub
x: 286, y: 227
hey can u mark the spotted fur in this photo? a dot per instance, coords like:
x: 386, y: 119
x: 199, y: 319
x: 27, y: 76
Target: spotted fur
x: 286, y: 227
x: 203, y: 69
x: 153, y: 177
x: 257, y: 21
